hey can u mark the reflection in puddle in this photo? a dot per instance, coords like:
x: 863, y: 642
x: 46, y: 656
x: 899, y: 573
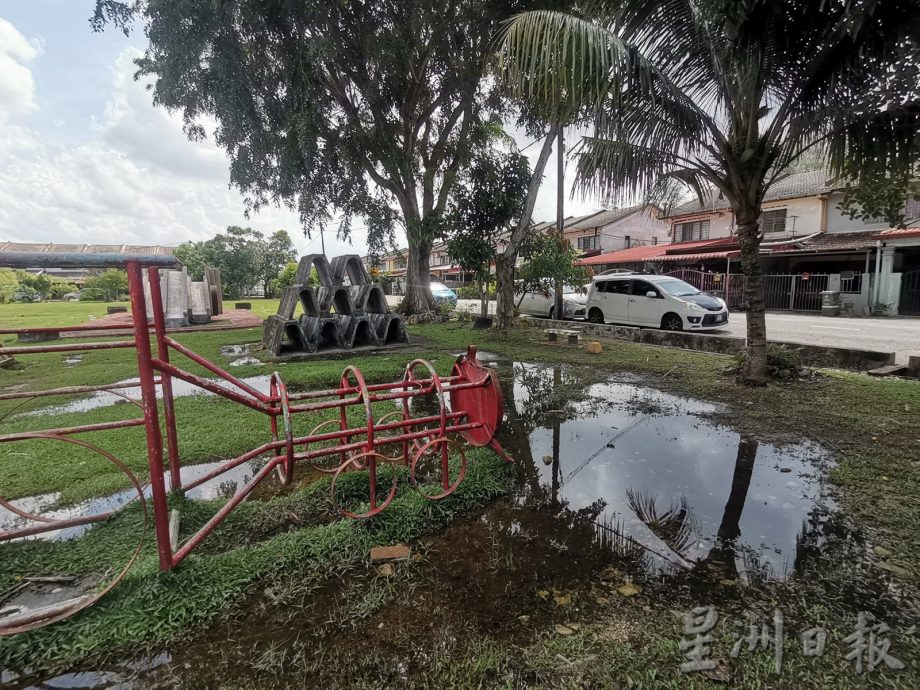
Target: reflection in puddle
x: 658, y: 476
x: 222, y: 486
x: 105, y: 398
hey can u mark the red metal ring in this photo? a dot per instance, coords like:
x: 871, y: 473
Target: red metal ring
x: 369, y: 461
x: 348, y: 454
x: 41, y: 623
x: 434, y: 387
x: 460, y: 476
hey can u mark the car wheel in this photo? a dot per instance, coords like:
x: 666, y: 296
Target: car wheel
x: 672, y: 322
x: 596, y: 316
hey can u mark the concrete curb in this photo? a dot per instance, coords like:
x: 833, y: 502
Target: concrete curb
x: 810, y: 355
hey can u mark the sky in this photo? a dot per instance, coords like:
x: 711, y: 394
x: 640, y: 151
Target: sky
x: 86, y: 157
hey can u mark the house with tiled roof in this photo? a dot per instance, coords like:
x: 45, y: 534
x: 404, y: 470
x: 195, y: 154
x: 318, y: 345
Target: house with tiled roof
x: 809, y: 246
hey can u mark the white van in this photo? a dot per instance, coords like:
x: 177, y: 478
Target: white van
x: 652, y: 300
x: 543, y: 303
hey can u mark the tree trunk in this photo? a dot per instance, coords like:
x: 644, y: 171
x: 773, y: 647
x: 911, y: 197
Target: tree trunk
x: 754, y: 371
x: 483, y: 298
x: 504, y: 288
x: 418, y: 298
x: 506, y: 260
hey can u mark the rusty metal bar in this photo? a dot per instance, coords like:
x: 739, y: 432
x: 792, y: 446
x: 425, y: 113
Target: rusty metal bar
x: 55, y: 525
x: 77, y: 347
x: 169, y: 410
x: 66, y: 329
x: 209, y: 385
x: 85, y: 260
x: 221, y: 514
x: 69, y: 390
x: 70, y: 430
x: 214, y: 369
x: 151, y: 417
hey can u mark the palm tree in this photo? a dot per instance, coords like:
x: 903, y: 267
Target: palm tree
x: 725, y: 96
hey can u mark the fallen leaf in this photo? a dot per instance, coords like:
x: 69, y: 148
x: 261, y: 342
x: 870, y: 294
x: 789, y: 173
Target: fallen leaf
x: 562, y: 599
x: 602, y: 600
x: 629, y: 589
x: 563, y: 630
x: 543, y: 594
x: 609, y: 573
x: 386, y: 570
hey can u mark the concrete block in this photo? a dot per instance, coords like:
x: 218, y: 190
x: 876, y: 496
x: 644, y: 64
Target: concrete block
x: 199, y: 303
x: 913, y: 366
x: 175, y: 299
x: 323, y: 270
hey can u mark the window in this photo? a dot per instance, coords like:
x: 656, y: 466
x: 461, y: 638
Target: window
x: 654, y: 241
x: 912, y: 210
x: 615, y: 287
x: 628, y: 241
x: 401, y: 263
x: 640, y: 287
x: 587, y: 243
x: 688, y: 232
x: 773, y: 221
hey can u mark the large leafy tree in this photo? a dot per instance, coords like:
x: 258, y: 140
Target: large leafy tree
x: 237, y: 253
x: 276, y: 253
x: 725, y: 96
x: 359, y: 107
x: 489, y: 197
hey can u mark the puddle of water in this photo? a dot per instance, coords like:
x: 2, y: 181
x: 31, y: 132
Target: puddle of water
x: 659, y: 477
x: 105, y: 398
x: 222, y: 486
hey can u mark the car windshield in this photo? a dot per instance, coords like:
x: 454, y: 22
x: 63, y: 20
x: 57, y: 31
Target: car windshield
x: 437, y: 287
x: 677, y: 288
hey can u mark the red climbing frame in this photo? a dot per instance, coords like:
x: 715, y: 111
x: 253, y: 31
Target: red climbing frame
x: 469, y: 404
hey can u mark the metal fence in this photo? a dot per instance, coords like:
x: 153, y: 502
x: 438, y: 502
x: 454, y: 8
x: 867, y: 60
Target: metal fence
x: 786, y: 292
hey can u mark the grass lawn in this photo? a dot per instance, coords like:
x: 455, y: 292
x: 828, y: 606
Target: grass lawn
x: 38, y: 314
x: 249, y: 573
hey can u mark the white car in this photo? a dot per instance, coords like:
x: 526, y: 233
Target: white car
x: 653, y: 300
x: 543, y: 303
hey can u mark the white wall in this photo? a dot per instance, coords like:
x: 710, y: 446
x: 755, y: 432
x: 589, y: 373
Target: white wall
x: 837, y: 221
x: 640, y: 227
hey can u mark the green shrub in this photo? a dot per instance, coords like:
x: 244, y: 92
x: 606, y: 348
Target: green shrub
x: 782, y: 362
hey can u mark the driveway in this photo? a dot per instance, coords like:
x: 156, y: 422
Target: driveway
x: 901, y: 335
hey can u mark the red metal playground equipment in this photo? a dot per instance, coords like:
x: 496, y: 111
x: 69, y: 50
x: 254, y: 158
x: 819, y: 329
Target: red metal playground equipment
x: 469, y: 404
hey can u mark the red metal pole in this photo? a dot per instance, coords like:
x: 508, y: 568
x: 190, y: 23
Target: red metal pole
x: 169, y: 409
x: 79, y: 347
x: 149, y: 399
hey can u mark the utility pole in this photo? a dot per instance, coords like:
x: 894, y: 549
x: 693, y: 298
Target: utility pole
x: 560, y: 191
x: 322, y: 241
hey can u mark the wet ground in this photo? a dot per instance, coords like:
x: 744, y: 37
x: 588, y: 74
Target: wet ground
x: 616, y: 485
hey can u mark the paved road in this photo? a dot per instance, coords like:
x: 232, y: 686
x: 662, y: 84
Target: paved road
x: 902, y: 335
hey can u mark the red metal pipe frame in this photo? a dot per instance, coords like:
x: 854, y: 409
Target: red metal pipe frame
x: 169, y: 410
x: 67, y: 390
x: 342, y: 397
x: 151, y: 416
x: 78, y: 347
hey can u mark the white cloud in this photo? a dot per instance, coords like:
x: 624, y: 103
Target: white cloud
x: 17, y: 87
x: 135, y: 178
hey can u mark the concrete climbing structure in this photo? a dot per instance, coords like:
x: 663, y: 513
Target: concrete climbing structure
x: 344, y: 311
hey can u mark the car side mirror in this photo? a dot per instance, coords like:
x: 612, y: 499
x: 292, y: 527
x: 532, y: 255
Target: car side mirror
x: 651, y: 293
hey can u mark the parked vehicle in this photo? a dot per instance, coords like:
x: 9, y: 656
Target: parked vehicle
x: 26, y: 296
x: 442, y: 293
x: 544, y: 303
x: 654, y: 300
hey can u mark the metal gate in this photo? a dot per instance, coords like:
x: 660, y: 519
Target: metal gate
x: 910, y: 294
x: 785, y: 292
